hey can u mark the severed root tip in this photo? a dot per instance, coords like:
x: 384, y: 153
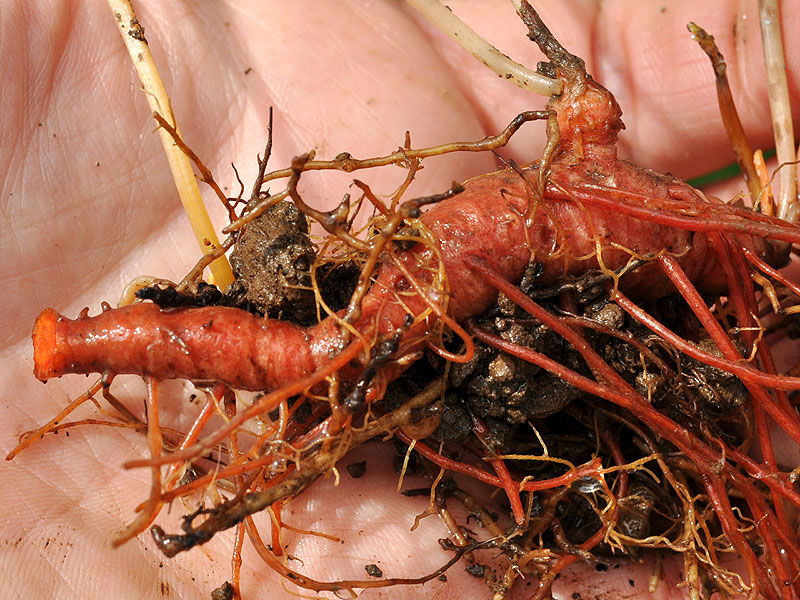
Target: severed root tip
x: 727, y: 109
x: 587, y: 112
x: 45, y: 350
x: 171, y: 545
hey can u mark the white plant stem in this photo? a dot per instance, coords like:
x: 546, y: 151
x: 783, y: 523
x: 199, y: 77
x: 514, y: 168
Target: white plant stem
x: 780, y: 107
x: 443, y: 18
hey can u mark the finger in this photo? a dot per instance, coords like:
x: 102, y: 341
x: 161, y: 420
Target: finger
x: 642, y: 52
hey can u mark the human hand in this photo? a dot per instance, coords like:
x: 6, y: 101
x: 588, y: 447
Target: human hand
x: 89, y: 204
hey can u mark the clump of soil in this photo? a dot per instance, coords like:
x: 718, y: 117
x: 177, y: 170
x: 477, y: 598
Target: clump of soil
x: 510, y: 396
x: 272, y: 263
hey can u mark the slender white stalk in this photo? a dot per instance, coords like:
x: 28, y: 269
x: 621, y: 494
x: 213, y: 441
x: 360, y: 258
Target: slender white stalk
x: 780, y: 106
x: 443, y: 18
x: 180, y: 165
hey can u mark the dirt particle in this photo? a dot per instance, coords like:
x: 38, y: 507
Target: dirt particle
x: 373, y: 570
x: 136, y: 31
x: 447, y: 544
x: 223, y: 592
x: 357, y: 469
x: 475, y: 570
x: 248, y: 70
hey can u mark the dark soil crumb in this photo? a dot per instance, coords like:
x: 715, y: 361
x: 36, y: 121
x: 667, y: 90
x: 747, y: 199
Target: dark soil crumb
x: 475, y: 570
x: 495, y: 384
x: 636, y: 511
x: 337, y: 282
x: 447, y: 544
x: 373, y: 571
x: 223, y: 592
x: 719, y: 391
x: 169, y: 297
x: 357, y: 469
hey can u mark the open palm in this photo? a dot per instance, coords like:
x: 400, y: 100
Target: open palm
x: 88, y: 204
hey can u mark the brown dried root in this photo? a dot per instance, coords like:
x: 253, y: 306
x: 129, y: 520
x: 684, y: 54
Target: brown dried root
x: 727, y: 109
x: 233, y: 512
x: 230, y: 513
x: 404, y: 157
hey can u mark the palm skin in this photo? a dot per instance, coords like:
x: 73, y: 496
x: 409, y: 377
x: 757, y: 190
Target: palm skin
x: 88, y: 204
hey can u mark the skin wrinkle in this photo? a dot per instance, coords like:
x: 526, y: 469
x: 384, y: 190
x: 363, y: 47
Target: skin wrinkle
x: 468, y: 92
x: 61, y: 557
x: 14, y: 92
x: 11, y: 238
x: 60, y: 506
x: 63, y: 21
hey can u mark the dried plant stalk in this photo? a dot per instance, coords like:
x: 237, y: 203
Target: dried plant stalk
x: 133, y: 36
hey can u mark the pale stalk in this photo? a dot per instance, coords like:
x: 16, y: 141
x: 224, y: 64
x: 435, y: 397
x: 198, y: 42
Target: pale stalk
x: 780, y: 106
x: 443, y: 18
x: 180, y: 165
